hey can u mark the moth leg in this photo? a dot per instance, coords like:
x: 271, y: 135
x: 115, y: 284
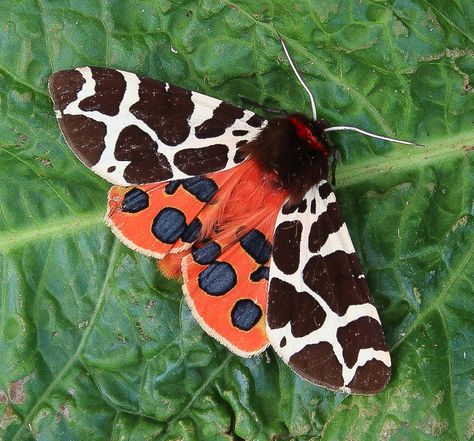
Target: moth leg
x: 335, y: 157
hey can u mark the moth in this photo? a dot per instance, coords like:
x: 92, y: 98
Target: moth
x: 241, y: 208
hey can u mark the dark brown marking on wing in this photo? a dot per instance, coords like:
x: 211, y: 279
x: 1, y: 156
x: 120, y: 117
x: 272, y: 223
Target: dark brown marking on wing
x: 147, y: 165
x: 285, y: 304
x: 109, y: 91
x: 64, y: 87
x: 292, y: 208
x: 164, y: 111
x: 302, y: 207
x: 370, y: 378
x: 239, y: 156
x: 239, y: 132
x: 255, y: 121
x: 241, y: 143
x: 319, y: 364
x: 223, y: 116
x: 335, y: 279
x: 325, y: 190
x: 364, y: 332
x: 85, y: 137
x: 286, y: 246
x: 202, y: 160
x: 330, y: 221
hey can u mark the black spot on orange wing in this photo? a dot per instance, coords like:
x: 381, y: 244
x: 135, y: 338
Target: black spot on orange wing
x: 319, y: 364
x: 286, y: 246
x: 256, y: 246
x: 191, y: 233
x: 166, y: 112
x: 201, y: 187
x: 168, y: 225
x: 217, y: 279
x: 245, y: 314
x: 223, y: 116
x: 135, y: 200
x: 146, y: 164
x: 261, y: 273
x: 109, y: 91
x: 334, y: 278
x: 202, y: 160
x: 285, y: 304
x: 207, y: 253
x: 172, y: 186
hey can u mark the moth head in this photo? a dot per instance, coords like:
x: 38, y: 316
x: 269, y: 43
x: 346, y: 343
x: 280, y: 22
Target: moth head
x: 311, y: 132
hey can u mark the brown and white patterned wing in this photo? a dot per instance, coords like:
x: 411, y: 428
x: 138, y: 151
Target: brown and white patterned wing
x: 134, y: 130
x: 320, y: 317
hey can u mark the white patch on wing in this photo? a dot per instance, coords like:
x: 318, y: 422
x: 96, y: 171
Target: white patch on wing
x: 337, y: 241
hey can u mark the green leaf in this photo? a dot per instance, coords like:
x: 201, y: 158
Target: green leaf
x: 96, y: 345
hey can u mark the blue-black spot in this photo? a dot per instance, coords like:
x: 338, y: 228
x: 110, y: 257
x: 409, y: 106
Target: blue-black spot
x: 255, y: 244
x: 168, y: 225
x: 200, y: 187
x: 191, y: 233
x: 173, y: 186
x: 134, y: 201
x: 207, y: 253
x: 262, y: 272
x: 245, y: 314
x: 217, y: 279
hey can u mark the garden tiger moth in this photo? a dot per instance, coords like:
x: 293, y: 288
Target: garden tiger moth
x: 241, y: 207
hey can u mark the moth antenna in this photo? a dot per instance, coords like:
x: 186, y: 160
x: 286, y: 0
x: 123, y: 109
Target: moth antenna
x: 300, y: 79
x: 372, y: 135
